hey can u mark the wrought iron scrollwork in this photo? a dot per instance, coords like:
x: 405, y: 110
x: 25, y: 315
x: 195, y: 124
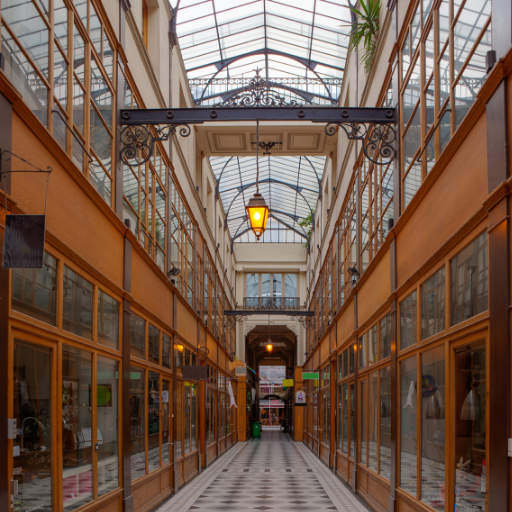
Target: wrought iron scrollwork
x: 377, y: 139
x: 138, y: 141
x: 308, y: 322
x: 258, y: 94
x: 231, y: 320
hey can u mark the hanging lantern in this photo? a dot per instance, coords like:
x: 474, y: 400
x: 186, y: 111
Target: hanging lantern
x: 257, y: 211
x: 269, y: 347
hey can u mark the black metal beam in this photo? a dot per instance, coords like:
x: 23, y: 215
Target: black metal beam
x: 199, y: 115
x: 287, y: 312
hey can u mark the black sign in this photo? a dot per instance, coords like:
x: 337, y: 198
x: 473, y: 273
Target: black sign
x: 24, y: 241
x: 195, y: 372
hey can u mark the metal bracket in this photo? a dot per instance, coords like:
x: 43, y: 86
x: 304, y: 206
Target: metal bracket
x: 267, y: 146
x: 308, y: 322
x: 230, y: 321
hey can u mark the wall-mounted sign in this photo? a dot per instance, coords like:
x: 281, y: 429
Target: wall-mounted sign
x: 165, y: 397
x: 310, y: 376
x: 300, y: 397
x: 24, y: 241
x: 288, y: 383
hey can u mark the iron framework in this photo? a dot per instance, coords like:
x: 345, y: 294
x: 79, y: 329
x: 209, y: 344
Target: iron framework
x: 374, y: 127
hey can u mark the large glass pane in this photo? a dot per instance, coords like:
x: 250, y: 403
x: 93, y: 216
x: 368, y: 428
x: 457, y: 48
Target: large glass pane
x: 363, y: 427
x: 186, y: 403
x: 32, y: 408
x: 138, y: 336
x: 290, y: 287
x: 193, y: 416
x: 432, y: 305
x: 363, y: 359
x: 179, y: 421
x: 385, y: 422
x: 408, y: 432
x: 137, y: 422
x: 77, y: 438
x: 252, y: 285
x: 153, y: 344
x: 373, y: 420
x: 166, y: 351
x: 166, y: 425
x: 470, y: 426
x: 77, y: 317
x: 352, y: 418
x: 265, y: 285
x: 153, y: 421
x: 408, y: 321
x: 107, y: 436
x: 470, y: 280
x: 34, y: 290
x: 108, y: 320
x: 433, y: 427
x: 277, y: 285
x: 340, y: 417
x: 385, y: 337
x: 373, y: 355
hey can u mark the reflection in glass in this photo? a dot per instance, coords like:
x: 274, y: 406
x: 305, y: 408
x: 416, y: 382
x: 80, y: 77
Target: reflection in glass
x: 77, y: 437
x: 166, y: 350
x: 385, y: 337
x: 179, y: 421
x: 153, y: 421
x: 193, y: 416
x: 408, y: 321
x: 373, y: 408
x: 166, y: 429
x: 277, y: 285
x: 363, y: 361
x: 34, y: 290
x: 32, y: 406
x: 432, y: 305
x: 340, y: 417
x: 187, y: 416
x: 385, y: 422
x: 108, y: 320
x: 372, y: 345
x: 352, y: 439
x: 433, y: 427
x: 77, y: 315
x: 107, y: 396
x: 362, y: 424
x: 290, y: 287
x: 153, y: 344
x: 137, y: 422
x: 470, y: 425
x: 408, y: 434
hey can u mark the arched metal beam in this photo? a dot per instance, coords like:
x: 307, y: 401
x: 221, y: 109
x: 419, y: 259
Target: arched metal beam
x: 302, y: 235
x: 268, y: 180
x: 295, y: 187
x: 272, y: 214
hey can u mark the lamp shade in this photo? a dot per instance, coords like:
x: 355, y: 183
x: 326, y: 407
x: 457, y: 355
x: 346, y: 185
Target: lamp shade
x: 269, y: 347
x: 257, y: 210
x: 471, y: 407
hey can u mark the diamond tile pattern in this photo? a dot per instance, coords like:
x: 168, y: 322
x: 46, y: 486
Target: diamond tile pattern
x: 267, y: 474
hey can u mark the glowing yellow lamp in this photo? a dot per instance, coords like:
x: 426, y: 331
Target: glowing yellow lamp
x: 257, y: 210
x: 269, y: 347
x: 180, y: 348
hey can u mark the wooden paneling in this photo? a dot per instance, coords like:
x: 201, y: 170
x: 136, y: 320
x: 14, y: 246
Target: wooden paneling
x: 375, y: 290
x: 345, y: 324
x: 191, y: 466
x: 187, y: 324
x: 212, y: 347
x: 212, y: 453
x: 324, y: 350
x: 362, y: 478
x: 145, y: 492
x: 342, y: 466
x: 457, y: 193
x: 324, y: 454
x: 166, y: 478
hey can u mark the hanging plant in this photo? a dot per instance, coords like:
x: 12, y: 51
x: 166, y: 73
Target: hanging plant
x: 365, y: 30
x: 307, y: 223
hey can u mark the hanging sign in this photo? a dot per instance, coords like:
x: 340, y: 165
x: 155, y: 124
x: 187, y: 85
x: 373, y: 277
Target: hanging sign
x: 288, y: 383
x: 24, y: 241
x: 165, y: 397
x: 310, y: 376
x: 300, y: 398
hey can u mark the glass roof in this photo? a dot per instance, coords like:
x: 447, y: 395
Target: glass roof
x: 289, y: 184
x: 286, y: 39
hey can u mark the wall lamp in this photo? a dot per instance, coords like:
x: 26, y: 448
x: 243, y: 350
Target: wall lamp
x: 174, y: 271
x: 354, y: 273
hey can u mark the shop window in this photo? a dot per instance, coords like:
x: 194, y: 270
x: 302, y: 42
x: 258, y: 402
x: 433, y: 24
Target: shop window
x: 153, y: 344
x: 34, y: 290
x: 32, y: 452
x: 178, y: 444
x: 433, y: 427
x: 108, y: 320
x: 351, y: 358
x: 77, y: 317
x: 186, y: 401
x: 77, y: 435
x: 138, y: 336
x: 352, y: 421
x: 166, y: 426
x: 408, y: 321
x: 153, y: 421
x: 137, y: 422
x: 373, y: 418
x: 432, y: 305
x: 363, y: 427
x: 385, y: 337
x: 373, y: 355
x: 339, y: 443
x: 408, y: 425
x: 470, y: 426
x: 469, y: 274
x: 166, y: 351
x: 345, y: 363
x: 345, y: 419
x: 193, y: 417
x: 385, y: 423
x: 107, y: 402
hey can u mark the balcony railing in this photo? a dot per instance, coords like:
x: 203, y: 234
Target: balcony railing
x: 272, y: 303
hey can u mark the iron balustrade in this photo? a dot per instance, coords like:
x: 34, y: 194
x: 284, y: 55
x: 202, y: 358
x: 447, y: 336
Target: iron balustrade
x: 272, y: 303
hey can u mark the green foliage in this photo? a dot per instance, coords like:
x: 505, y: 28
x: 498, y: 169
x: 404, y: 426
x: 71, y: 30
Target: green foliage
x: 307, y: 223
x: 366, y: 30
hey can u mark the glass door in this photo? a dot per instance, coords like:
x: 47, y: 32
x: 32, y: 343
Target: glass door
x: 166, y: 423
x: 32, y: 406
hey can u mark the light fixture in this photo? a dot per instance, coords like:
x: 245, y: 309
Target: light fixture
x: 471, y: 407
x: 174, y: 271
x: 257, y: 209
x: 269, y: 347
x: 180, y: 348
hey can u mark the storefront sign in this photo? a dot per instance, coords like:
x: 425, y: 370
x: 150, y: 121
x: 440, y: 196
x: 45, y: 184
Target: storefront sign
x: 300, y: 397
x: 310, y: 376
x: 288, y: 383
x: 165, y: 397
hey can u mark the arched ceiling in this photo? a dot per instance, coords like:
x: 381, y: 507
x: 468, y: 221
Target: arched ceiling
x: 289, y: 184
x: 229, y: 39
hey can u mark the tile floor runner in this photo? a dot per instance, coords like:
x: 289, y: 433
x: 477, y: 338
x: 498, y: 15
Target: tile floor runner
x: 267, y: 474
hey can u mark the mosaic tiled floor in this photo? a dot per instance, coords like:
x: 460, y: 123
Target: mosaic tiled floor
x: 266, y: 474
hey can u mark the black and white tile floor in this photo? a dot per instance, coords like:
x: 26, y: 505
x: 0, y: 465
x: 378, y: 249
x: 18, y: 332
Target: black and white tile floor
x: 267, y: 474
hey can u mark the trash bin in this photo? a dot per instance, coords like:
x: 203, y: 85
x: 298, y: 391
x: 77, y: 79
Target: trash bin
x: 256, y: 429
